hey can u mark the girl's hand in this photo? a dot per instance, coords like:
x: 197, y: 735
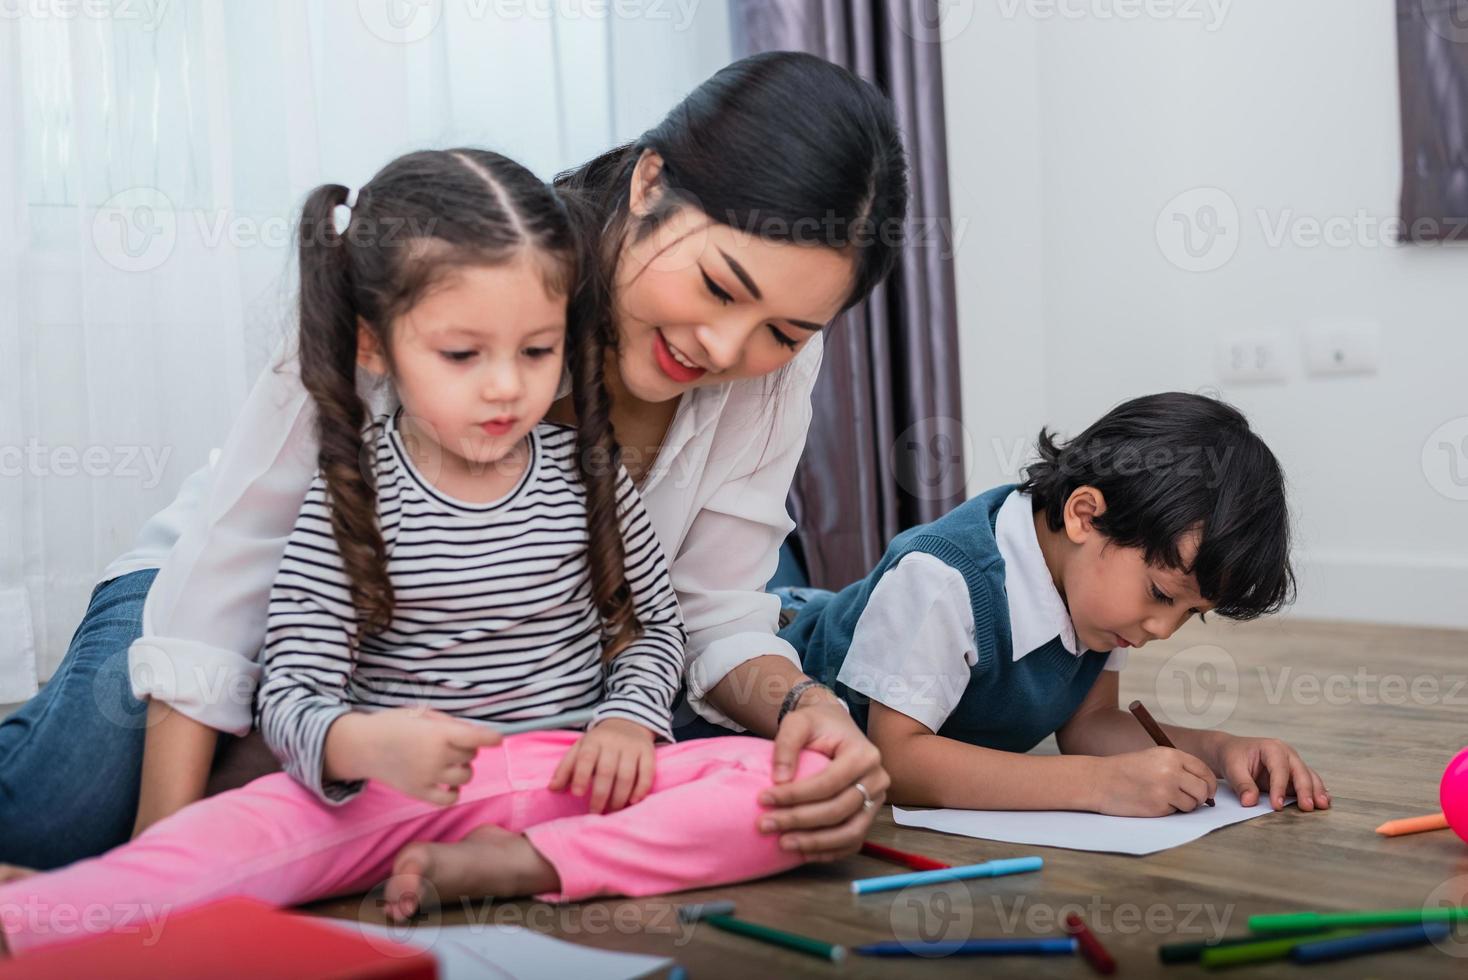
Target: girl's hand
x: 425, y: 754
x: 824, y: 816
x: 1255, y: 764
x: 1151, y: 783
x: 615, y: 758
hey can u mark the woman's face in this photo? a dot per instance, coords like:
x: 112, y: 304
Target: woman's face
x: 701, y: 303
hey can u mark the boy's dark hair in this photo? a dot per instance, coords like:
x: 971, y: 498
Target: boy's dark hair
x: 1172, y: 463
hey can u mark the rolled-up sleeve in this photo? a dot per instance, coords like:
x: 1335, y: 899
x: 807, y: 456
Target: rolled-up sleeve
x: 205, y: 616
x: 732, y: 547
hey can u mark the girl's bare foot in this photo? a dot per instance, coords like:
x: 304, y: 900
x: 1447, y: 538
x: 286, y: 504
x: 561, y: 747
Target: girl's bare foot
x: 488, y: 862
x: 11, y: 872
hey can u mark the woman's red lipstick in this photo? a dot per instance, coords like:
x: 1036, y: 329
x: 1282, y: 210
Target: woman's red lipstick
x: 678, y: 372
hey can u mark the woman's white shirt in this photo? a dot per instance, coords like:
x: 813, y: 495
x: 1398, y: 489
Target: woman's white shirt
x: 715, y: 494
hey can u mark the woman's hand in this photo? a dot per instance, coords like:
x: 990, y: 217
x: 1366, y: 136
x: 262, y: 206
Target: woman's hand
x: 824, y: 816
x: 614, y: 759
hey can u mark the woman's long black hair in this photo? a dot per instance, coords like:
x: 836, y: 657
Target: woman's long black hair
x: 783, y: 145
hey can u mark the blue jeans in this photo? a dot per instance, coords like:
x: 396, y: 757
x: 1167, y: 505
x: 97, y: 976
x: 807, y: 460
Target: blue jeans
x: 71, y: 757
x: 794, y: 598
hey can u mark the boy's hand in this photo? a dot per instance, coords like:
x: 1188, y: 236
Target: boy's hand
x: 1152, y: 783
x: 615, y: 759
x: 425, y: 754
x: 1252, y: 765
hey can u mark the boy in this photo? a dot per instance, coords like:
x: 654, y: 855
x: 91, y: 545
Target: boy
x: 1006, y: 620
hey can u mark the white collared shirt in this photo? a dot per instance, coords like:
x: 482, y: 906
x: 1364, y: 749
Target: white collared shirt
x: 914, y: 644
x: 716, y: 497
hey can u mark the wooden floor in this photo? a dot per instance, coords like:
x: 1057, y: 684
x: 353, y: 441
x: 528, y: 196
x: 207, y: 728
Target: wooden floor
x: 1378, y: 711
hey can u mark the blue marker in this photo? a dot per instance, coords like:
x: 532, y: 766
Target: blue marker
x: 1371, y: 942
x: 571, y: 719
x: 975, y: 947
x: 989, y: 869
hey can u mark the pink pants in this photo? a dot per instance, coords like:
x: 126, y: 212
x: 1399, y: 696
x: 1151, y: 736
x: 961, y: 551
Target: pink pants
x: 272, y: 840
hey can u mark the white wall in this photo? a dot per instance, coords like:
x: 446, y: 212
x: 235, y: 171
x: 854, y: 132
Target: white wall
x: 1072, y: 128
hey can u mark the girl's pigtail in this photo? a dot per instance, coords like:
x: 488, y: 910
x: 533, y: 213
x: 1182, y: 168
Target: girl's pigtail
x: 589, y: 342
x: 328, y: 357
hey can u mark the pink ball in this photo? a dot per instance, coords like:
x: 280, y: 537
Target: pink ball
x: 1453, y: 794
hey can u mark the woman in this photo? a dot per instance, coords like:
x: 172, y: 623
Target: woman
x: 727, y: 237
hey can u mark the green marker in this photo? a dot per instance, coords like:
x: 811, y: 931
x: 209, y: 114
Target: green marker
x: 721, y: 916
x: 1292, y: 921
x: 802, y: 944
x: 1260, y: 951
x: 1190, y: 952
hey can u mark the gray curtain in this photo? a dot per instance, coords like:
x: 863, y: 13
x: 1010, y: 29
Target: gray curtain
x: 1432, y: 60
x: 885, y: 449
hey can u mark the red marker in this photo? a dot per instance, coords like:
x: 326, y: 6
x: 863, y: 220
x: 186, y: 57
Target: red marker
x: 914, y: 861
x: 1091, y: 947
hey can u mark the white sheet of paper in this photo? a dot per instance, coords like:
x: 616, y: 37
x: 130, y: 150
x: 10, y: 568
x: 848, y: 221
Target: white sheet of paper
x: 1088, y: 831
x: 471, y: 952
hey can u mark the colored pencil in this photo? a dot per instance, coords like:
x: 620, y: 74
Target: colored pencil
x: 777, y: 937
x: 1418, y: 934
x: 1413, y: 825
x: 1262, y: 950
x: 1141, y: 713
x: 916, y: 862
x: 1189, y: 952
x: 571, y: 719
x: 989, y: 869
x: 1091, y: 947
x: 1356, y: 920
x: 974, y: 947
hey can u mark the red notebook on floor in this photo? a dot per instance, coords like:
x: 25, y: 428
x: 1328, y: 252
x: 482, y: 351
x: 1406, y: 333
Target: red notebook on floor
x: 234, y: 938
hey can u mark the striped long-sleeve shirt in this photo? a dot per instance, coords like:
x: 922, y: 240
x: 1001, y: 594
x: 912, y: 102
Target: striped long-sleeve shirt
x: 493, y: 616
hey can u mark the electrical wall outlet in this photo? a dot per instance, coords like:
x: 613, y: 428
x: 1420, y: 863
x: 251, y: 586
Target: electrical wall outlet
x: 1251, y: 358
x: 1342, y: 347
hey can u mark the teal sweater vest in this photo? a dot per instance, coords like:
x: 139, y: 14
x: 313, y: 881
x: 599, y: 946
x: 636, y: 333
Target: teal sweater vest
x: 1009, y: 705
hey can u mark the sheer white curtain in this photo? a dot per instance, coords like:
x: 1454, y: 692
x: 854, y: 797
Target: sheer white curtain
x: 153, y: 160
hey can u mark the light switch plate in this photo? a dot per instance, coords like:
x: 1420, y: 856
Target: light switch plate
x: 1335, y: 347
x: 1255, y: 357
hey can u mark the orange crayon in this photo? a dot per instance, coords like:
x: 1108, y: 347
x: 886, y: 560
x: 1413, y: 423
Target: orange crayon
x: 1413, y: 825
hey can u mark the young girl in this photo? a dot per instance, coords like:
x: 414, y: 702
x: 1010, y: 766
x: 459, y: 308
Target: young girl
x: 466, y: 560
x: 1007, y: 620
